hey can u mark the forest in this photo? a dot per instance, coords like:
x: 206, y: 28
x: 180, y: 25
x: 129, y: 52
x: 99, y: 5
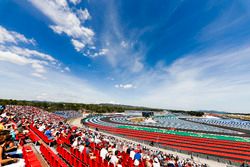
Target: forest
x: 93, y: 108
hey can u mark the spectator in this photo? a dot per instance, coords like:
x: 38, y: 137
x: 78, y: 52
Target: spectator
x: 113, y: 159
x: 112, y: 148
x: 4, y: 141
x: 76, y: 142
x: 103, y: 153
x: 136, y: 163
x: 42, y: 128
x: 244, y: 164
x: 137, y: 155
x: 132, y: 154
x: 148, y: 163
x: 119, y: 164
x: 48, y: 133
x: 156, y: 162
x: 81, y: 147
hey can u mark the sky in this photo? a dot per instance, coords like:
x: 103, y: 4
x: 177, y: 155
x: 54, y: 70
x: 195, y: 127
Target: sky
x: 186, y: 54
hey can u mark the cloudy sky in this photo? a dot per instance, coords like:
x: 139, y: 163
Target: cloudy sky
x: 184, y: 54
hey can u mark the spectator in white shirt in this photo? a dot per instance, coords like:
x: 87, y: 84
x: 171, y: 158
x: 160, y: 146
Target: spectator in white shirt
x: 103, y: 153
x: 42, y: 128
x: 114, y: 160
x: 81, y: 148
x: 132, y: 154
x: 156, y: 162
x: 76, y: 142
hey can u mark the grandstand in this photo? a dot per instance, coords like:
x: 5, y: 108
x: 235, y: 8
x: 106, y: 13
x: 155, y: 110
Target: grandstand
x: 38, y: 138
x: 69, y: 114
x: 174, y: 122
x: 234, y: 123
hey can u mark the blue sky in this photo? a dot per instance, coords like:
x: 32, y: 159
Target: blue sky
x: 169, y: 54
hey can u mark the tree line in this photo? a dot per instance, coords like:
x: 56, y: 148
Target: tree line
x: 192, y: 113
x: 96, y: 108
x: 61, y: 106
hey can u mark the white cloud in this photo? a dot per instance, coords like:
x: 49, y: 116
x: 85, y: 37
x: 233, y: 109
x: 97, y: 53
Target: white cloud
x: 65, y: 21
x: 102, y: 52
x: 211, y: 80
x: 227, y: 22
x: 13, y: 58
x: 15, y: 84
x: 12, y: 52
x: 78, y: 44
x: 67, y: 69
x: 125, y: 86
x: 124, y: 44
x: 28, y: 52
x: 75, y: 2
x: 16, y: 63
x: 13, y: 37
x: 117, y: 39
x: 83, y: 15
x: 37, y: 65
x: 38, y: 75
x: 33, y: 75
x: 137, y: 65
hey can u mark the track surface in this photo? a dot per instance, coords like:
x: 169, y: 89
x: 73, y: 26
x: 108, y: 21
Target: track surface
x: 228, y: 150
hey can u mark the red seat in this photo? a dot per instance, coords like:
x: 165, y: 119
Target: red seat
x: 30, y: 157
x: 51, y: 157
x: 40, y: 134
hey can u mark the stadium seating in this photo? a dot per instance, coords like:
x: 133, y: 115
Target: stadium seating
x: 173, y: 122
x: 52, y: 159
x: 40, y: 134
x: 33, y: 137
x: 75, y: 158
x: 90, y: 156
x: 30, y: 157
x: 223, y: 122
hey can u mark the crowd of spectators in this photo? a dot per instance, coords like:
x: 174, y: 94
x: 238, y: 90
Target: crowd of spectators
x: 13, y: 131
x: 115, y: 150
x: 111, y: 149
x: 9, y: 134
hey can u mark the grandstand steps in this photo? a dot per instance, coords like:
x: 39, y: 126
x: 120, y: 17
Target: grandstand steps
x: 39, y: 156
x: 32, y: 156
x: 46, y: 147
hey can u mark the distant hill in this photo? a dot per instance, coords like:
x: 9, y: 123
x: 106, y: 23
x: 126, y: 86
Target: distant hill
x: 130, y: 107
x: 213, y: 111
x: 223, y: 112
